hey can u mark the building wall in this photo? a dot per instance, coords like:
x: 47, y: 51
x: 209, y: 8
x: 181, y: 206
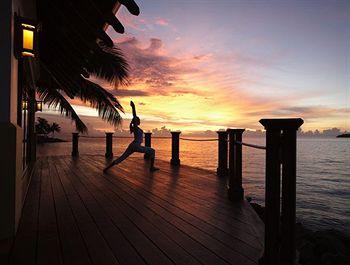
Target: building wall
x: 13, y: 183
x: 5, y: 62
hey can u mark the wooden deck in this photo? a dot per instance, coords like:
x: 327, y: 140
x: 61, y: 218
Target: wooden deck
x: 75, y: 214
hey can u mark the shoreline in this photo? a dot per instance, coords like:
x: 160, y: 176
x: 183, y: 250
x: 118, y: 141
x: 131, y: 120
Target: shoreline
x: 317, y: 247
x: 43, y: 140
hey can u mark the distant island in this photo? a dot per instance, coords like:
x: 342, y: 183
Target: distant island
x: 46, y: 131
x: 42, y: 139
x: 344, y: 135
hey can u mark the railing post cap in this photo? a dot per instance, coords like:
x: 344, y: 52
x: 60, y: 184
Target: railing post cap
x: 149, y: 133
x: 282, y: 124
x: 221, y: 132
x: 175, y: 132
x: 108, y: 133
x: 235, y: 130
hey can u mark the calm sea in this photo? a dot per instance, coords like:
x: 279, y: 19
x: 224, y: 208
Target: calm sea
x: 323, y: 172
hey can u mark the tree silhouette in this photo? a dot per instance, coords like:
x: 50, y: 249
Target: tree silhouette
x: 42, y: 126
x: 54, y: 127
x: 73, y: 47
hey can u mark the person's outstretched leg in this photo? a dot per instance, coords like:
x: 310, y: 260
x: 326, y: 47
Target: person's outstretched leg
x: 120, y: 159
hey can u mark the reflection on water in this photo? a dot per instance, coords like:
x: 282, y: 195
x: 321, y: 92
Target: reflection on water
x: 323, y: 183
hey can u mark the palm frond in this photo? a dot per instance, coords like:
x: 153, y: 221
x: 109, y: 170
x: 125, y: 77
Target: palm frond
x: 109, y: 64
x: 53, y: 98
x: 107, y: 105
x: 49, y: 76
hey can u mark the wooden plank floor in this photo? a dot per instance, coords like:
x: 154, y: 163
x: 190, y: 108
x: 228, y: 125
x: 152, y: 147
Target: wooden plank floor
x: 75, y: 214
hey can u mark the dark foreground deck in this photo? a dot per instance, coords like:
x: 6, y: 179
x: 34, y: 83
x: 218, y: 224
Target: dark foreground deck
x: 74, y: 214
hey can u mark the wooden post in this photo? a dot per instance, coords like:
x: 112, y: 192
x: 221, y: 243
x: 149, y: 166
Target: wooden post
x: 288, y: 216
x: 175, y: 141
x: 31, y: 136
x: 109, y: 145
x: 235, y: 188
x: 280, y: 235
x: 222, y: 169
x: 75, y: 140
x: 148, y: 143
x: 272, y: 196
x: 231, y: 157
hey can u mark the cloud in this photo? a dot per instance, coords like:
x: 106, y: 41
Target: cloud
x: 307, y: 112
x: 151, y: 67
x: 203, y: 57
x: 155, y: 46
x: 312, y: 111
x: 162, y: 22
x: 129, y: 93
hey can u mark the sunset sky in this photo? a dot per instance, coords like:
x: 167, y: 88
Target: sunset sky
x: 204, y: 65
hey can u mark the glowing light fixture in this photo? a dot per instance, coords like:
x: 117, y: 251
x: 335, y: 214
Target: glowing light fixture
x: 25, y: 105
x: 39, y: 105
x: 26, y: 37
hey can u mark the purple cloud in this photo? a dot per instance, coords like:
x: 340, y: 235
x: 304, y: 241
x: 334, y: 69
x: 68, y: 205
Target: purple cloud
x: 162, y: 22
x: 158, y: 71
x: 129, y: 92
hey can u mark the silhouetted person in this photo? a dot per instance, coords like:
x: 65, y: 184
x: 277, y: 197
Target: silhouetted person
x: 135, y: 145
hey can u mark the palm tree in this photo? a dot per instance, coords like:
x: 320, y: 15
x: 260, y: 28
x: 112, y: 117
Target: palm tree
x: 42, y: 126
x: 54, y: 127
x: 74, y: 46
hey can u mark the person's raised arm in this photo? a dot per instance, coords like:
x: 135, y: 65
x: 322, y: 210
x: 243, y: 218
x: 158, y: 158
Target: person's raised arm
x: 133, y: 109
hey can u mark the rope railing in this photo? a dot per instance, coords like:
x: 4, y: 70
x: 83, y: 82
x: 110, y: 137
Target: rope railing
x: 93, y: 137
x: 181, y: 138
x: 198, y: 140
x: 122, y: 137
x: 237, y: 142
x: 251, y: 145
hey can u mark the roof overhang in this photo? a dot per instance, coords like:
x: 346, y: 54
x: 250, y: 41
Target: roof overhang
x: 115, y: 11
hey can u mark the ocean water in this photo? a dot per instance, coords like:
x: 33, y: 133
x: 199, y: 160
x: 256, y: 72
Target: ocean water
x: 323, y: 172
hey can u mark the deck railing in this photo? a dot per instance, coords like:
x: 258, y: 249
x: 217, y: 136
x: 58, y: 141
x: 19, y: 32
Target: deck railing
x: 280, y: 217
x: 280, y: 167
x: 280, y: 207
